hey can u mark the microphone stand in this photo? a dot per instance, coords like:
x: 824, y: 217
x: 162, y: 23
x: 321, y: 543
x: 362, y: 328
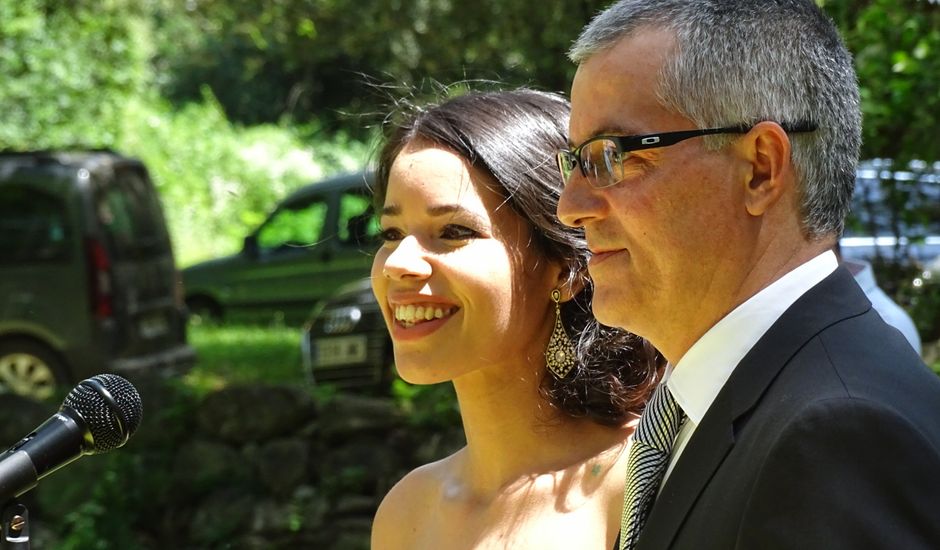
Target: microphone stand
x: 15, y: 526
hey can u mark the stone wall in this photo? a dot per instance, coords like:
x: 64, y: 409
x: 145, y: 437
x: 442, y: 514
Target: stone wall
x: 245, y: 467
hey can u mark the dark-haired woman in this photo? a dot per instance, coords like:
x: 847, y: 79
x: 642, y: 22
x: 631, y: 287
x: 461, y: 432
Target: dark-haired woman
x: 482, y: 286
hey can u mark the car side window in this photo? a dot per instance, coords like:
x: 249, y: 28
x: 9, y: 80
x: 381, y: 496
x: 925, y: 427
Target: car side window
x: 294, y: 227
x: 33, y: 227
x: 358, y: 225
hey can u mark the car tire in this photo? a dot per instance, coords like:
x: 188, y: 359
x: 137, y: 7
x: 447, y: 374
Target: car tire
x: 204, y: 311
x: 30, y: 369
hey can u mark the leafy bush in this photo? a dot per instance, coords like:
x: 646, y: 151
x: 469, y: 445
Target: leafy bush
x: 81, y: 74
x: 218, y: 180
x: 308, y: 58
x: 68, y: 68
x: 433, y: 406
x: 896, y: 46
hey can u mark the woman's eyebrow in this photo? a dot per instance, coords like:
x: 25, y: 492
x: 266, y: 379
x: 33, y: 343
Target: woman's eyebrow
x: 436, y: 210
x: 391, y: 210
x: 443, y: 209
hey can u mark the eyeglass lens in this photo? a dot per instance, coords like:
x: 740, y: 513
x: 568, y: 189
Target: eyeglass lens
x: 566, y: 165
x: 600, y: 160
x: 602, y: 163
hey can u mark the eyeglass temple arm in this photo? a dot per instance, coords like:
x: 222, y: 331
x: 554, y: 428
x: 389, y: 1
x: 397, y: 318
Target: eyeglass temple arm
x: 675, y: 137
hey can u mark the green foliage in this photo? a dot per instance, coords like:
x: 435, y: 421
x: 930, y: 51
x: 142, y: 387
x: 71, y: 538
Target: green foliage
x: 218, y: 180
x: 103, y: 518
x: 303, y: 58
x: 68, y: 68
x: 243, y: 354
x: 349, y: 479
x: 897, y: 56
x: 310, y: 58
x: 433, y: 406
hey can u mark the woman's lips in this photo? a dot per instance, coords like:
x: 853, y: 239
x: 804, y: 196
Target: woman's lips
x: 403, y: 331
x: 416, y: 313
x: 415, y: 318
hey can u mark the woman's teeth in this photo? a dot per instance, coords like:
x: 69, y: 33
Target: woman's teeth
x: 411, y: 314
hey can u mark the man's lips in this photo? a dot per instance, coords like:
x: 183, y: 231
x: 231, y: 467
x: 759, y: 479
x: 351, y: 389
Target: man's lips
x: 600, y: 256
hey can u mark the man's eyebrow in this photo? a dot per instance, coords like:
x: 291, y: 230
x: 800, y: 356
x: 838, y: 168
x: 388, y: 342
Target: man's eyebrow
x: 610, y: 131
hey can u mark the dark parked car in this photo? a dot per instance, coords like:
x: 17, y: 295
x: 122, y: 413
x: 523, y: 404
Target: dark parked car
x: 345, y: 342
x: 88, y: 282
x: 318, y: 238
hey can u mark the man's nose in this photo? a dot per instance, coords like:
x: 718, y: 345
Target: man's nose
x: 579, y: 202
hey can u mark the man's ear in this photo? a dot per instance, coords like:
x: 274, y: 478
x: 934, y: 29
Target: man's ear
x: 766, y: 147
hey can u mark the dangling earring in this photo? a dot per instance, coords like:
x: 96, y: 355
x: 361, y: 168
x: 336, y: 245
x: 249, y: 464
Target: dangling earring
x: 559, y: 356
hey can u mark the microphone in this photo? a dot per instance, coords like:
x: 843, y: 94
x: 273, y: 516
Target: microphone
x: 98, y: 415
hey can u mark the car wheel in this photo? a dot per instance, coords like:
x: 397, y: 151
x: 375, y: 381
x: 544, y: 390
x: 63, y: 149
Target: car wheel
x: 204, y: 311
x: 30, y: 370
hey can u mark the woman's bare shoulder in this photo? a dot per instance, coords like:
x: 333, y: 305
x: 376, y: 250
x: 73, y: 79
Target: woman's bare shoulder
x: 408, y: 504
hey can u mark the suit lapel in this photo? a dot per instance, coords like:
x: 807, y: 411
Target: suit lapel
x: 836, y: 298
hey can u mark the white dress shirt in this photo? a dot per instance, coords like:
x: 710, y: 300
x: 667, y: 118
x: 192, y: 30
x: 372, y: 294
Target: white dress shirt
x: 701, y: 373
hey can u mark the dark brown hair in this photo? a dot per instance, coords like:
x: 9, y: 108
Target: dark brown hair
x: 512, y: 137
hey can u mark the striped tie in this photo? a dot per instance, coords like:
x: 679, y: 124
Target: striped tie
x: 649, y: 457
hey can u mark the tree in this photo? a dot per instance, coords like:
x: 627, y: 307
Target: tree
x: 309, y: 59
x: 897, y: 56
x: 68, y: 68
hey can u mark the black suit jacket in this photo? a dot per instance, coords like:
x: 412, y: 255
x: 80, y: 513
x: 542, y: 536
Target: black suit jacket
x: 827, y: 435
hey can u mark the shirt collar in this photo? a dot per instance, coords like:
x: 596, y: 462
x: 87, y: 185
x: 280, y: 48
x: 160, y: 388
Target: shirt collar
x: 701, y: 373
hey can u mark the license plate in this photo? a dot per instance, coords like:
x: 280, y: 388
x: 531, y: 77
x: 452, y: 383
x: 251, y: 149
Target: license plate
x: 153, y: 326
x: 340, y: 350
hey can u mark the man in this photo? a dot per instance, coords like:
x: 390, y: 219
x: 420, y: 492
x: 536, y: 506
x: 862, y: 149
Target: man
x: 808, y: 422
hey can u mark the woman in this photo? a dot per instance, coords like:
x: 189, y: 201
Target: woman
x: 482, y: 286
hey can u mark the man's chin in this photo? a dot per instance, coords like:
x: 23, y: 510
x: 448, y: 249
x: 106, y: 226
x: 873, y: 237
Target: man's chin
x: 610, y: 311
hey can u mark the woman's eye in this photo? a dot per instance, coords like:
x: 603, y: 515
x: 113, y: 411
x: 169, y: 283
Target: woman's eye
x: 458, y: 233
x: 391, y: 234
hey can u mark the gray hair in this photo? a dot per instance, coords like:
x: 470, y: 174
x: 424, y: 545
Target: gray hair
x: 744, y: 61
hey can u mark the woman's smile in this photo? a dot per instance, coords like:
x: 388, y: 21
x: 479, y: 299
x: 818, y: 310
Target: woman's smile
x: 412, y: 314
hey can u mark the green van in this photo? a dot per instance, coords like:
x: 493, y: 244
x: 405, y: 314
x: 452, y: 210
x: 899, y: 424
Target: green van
x: 318, y: 238
x: 88, y: 282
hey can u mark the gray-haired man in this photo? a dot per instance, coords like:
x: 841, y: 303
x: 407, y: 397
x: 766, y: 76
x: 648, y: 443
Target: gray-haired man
x: 714, y: 146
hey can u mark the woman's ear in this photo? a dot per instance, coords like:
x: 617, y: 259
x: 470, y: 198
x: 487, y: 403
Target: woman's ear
x: 570, y: 284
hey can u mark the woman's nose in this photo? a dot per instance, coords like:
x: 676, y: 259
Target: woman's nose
x: 407, y: 261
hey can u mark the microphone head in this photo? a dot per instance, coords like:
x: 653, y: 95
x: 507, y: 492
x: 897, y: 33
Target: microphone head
x: 110, y: 407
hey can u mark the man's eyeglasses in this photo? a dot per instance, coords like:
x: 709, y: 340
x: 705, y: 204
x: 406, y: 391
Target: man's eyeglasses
x: 601, y: 158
